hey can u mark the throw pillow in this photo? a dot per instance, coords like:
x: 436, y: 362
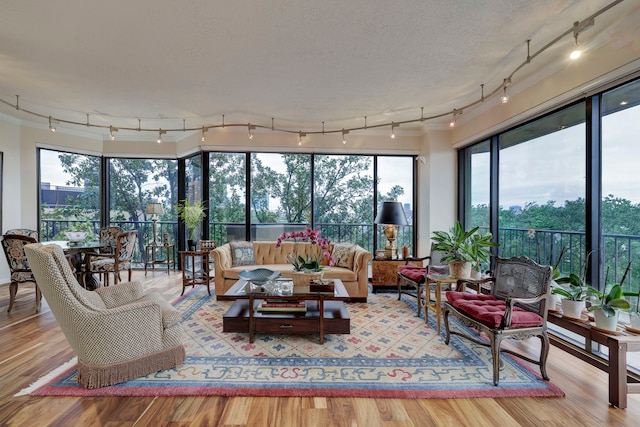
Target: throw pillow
x: 242, y: 254
x: 343, y: 254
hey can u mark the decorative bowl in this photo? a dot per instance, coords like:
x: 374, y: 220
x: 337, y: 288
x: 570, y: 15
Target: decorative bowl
x: 76, y: 236
x: 259, y: 276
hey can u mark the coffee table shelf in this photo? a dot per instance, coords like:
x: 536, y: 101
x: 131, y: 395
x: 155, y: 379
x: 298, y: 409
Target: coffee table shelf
x: 326, y: 313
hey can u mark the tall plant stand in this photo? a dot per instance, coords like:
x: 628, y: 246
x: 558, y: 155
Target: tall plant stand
x: 195, y: 269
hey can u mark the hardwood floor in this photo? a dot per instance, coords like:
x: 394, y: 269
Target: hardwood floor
x: 33, y: 344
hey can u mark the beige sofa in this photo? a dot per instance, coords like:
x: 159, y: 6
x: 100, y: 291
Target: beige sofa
x: 267, y: 255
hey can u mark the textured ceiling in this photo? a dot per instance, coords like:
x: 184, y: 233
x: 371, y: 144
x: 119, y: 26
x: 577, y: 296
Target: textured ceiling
x: 299, y: 62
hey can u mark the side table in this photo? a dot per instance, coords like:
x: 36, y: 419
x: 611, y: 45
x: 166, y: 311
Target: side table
x: 195, y: 269
x: 167, y: 256
x: 384, y: 271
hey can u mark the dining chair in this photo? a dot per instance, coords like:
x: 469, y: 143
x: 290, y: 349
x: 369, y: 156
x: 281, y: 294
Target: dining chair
x: 109, y: 238
x: 121, y: 259
x: 13, y: 246
x: 516, y: 308
x: 415, y: 276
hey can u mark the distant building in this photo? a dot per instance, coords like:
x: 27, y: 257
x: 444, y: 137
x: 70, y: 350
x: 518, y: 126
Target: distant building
x: 53, y: 196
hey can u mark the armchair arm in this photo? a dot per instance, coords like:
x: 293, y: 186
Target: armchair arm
x: 124, y: 293
x: 511, y: 302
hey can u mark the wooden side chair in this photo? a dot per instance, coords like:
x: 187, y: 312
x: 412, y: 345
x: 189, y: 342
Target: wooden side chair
x: 109, y: 238
x: 13, y: 246
x: 415, y: 276
x: 120, y: 260
x: 516, y: 308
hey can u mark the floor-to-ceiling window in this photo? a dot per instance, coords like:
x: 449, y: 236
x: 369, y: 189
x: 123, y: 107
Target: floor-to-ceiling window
x: 395, y: 182
x: 343, y: 198
x: 542, y: 186
x: 227, y: 196
x: 133, y: 183
x: 477, y: 185
x: 69, y: 193
x: 621, y: 187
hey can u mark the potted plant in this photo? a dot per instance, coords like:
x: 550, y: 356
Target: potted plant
x: 575, y: 294
x: 192, y: 214
x: 606, y: 306
x: 461, y: 249
x: 309, y: 267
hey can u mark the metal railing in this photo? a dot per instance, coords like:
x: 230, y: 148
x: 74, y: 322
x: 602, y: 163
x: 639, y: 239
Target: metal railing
x: 544, y: 246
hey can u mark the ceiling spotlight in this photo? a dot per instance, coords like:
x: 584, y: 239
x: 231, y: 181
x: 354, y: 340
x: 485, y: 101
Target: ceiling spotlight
x: 505, y: 97
x: 344, y: 136
x: 203, y: 131
x: 111, y: 131
x: 393, y: 126
x: 52, y: 128
x: 300, y: 136
x: 455, y: 113
x: 251, y: 128
x: 160, y: 133
x: 579, y: 27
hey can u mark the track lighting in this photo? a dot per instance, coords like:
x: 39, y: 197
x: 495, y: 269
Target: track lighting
x: 111, y: 131
x: 160, y: 133
x: 344, y: 136
x: 52, y: 128
x: 203, y: 131
x: 455, y: 113
x: 251, y: 128
x: 393, y: 126
x: 300, y: 136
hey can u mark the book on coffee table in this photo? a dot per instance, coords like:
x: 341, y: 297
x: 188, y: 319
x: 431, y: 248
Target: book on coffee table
x: 283, y: 305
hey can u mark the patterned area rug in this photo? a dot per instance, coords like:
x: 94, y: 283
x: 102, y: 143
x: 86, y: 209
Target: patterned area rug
x: 389, y: 353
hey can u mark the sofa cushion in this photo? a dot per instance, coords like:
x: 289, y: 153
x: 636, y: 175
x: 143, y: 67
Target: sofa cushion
x: 343, y: 254
x: 242, y: 254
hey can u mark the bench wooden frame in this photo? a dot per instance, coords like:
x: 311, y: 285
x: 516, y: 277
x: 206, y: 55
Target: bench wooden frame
x: 620, y: 384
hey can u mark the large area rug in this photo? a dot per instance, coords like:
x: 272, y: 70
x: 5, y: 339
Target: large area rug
x: 389, y: 353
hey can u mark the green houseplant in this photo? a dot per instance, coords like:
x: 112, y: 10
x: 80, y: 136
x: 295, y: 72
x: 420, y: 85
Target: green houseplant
x: 463, y: 249
x: 192, y: 214
x: 606, y: 306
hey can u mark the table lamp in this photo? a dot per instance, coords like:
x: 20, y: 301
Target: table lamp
x: 154, y: 209
x: 391, y: 216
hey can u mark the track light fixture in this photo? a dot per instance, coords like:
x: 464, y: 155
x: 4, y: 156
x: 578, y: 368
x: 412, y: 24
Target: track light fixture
x: 52, y: 128
x: 579, y: 27
x: 456, y: 112
x: 251, y: 129
x: 111, y: 131
x: 300, y: 136
x: 344, y: 136
x: 505, y: 97
x: 160, y: 133
x: 204, y: 129
x: 393, y: 132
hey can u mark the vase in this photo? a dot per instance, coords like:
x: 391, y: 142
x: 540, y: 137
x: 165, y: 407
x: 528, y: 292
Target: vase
x: 460, y: 269
x: 572, y: 308
x: 604, y: 322
x: 303, y: 278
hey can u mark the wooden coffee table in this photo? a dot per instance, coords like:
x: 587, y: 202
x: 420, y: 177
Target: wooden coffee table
x: 326, y: 312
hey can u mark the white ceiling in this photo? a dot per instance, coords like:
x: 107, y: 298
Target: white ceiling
x: 299, y: 62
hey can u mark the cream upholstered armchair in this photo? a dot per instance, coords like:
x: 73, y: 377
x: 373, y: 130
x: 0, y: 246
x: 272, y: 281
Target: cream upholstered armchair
x: 119, y: 333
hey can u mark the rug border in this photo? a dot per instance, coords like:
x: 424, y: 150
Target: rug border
x: 550, y: 390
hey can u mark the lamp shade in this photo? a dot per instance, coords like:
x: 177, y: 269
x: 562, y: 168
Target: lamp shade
x: 391, y: 213
x: 154, y: 209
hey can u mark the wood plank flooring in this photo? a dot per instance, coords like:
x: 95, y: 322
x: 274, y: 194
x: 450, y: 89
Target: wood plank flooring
x: 32, y: 344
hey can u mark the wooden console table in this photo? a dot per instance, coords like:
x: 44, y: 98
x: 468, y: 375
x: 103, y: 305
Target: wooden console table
x: 618, y: 345
x: 384, y: 271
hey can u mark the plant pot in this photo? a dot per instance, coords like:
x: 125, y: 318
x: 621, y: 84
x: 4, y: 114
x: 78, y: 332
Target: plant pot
x: 476, y: 275
x: 191, y: 244
x: 302, y: 278
x: 572, y: 308
x: 460, y: 270
x: 604, y: 322
x: 634, y: 319
x: 554, y: 301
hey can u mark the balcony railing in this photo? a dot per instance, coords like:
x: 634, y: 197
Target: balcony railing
x: 543, y: 246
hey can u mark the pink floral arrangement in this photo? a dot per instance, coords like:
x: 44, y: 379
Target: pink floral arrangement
x: 309, y: 263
